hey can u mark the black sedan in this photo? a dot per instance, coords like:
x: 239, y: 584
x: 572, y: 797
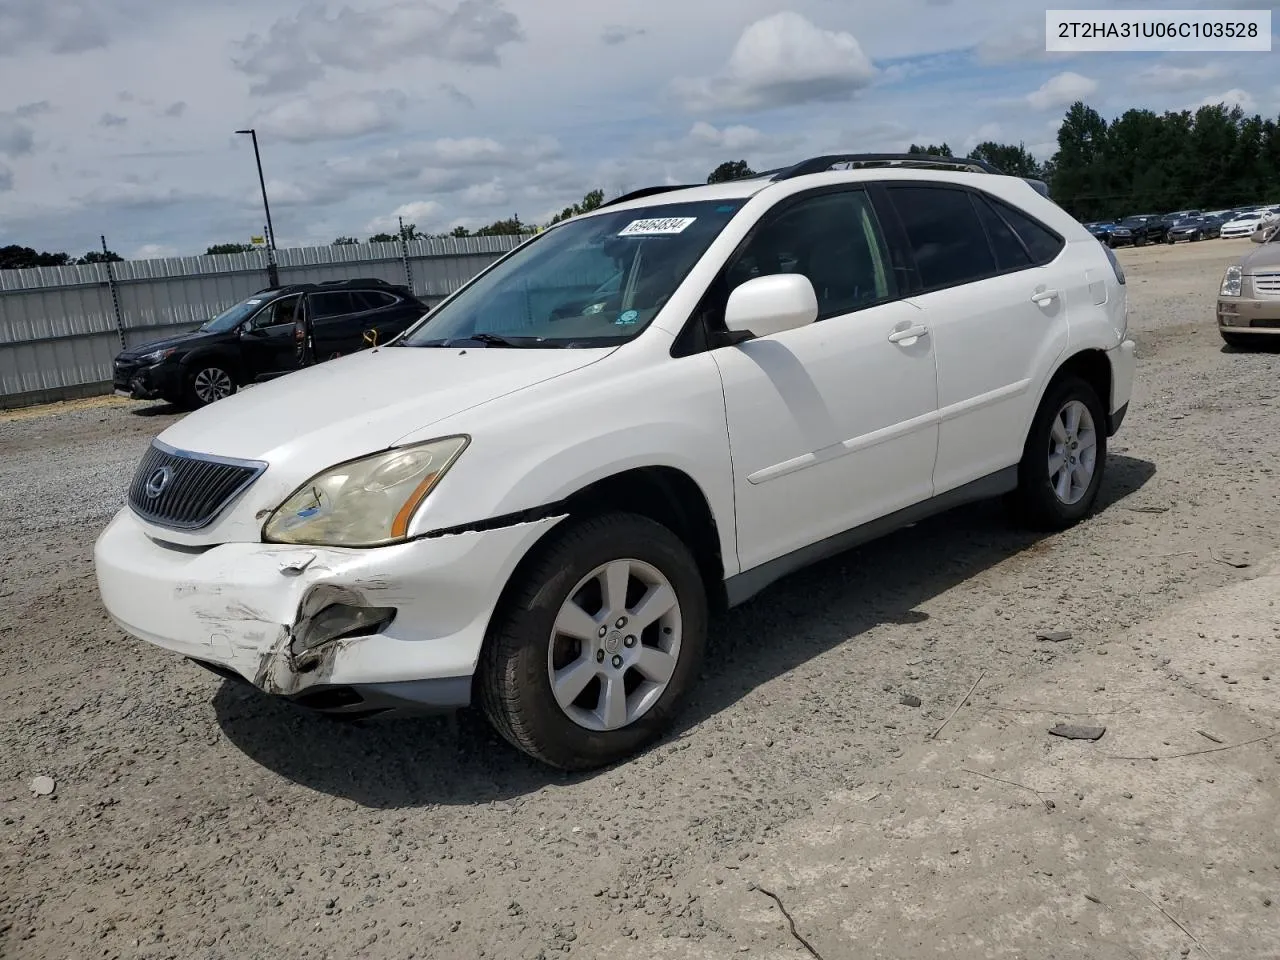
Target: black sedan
x: 1194, y: 228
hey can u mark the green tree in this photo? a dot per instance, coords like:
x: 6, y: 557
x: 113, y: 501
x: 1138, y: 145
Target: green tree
x: 100, y: 256
x: 512, y: 226
x: 931, y: 150
x: 1008, y: 158
x: 459, y: 231
x: 730, y: 170
x: 218, y: 248
x: 1082, y: 179
x: 592, y: 201
x: 383, y: 238
x: 345, y: 242
x: 15, y: 257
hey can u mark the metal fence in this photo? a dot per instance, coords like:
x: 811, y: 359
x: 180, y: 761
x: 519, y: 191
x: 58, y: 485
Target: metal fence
x: 61, y: 327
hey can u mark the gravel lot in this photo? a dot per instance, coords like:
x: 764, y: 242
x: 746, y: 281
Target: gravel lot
x: 194, y: 819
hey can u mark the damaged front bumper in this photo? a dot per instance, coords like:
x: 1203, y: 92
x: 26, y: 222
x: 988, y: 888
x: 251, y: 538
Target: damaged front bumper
x: 337, y: 630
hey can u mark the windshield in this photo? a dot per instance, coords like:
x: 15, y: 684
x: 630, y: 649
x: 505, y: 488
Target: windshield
x: 228, y: 319
x: 593, y: 282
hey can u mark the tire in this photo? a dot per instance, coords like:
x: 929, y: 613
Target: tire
x: 207, y: 383
x: 524, y: 646
x: 1036, y: 503
x: 1241, y: 341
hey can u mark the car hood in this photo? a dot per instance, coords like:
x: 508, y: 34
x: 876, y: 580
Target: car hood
x: 182, y: 339
x: 1265, y: 257
x: 364, y: 402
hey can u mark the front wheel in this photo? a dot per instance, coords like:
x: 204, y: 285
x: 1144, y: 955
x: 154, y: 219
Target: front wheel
x: 207, y: 383
x: 599, y: 641
x: 1063, y: 459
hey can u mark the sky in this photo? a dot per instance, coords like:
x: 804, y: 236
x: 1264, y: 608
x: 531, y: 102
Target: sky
x: 118, y: 117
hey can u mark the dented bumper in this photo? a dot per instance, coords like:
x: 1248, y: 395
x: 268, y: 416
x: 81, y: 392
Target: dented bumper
x: 254, y: 610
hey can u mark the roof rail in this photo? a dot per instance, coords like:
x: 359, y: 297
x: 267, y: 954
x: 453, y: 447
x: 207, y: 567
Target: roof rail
x: 354, y: 281
x: 647, y: 192
x: 824, y: 164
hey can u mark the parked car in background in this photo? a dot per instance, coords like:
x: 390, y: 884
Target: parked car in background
x: 1246, y: 224
x: 1192, y: 229
x: 1249, y: 298
x: 1138, y: 230
x: 536, y: 498
x: 1101, y: 228
x: 272, y: 332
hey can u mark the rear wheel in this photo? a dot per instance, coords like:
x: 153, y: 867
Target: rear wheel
x: 207, y: 383
x: 598, y: 643
x: 1063, y: 459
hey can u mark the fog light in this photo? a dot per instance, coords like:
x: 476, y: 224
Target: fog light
x: 339, y: 620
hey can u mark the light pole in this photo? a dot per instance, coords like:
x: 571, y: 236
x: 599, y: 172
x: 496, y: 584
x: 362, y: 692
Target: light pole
x: 273, y: 276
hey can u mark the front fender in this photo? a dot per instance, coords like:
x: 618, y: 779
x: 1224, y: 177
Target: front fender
x: 542, y: 445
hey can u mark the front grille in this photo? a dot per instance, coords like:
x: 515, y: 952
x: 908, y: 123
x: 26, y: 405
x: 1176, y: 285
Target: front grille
x: 186, y: 491
x: 1267, y: 285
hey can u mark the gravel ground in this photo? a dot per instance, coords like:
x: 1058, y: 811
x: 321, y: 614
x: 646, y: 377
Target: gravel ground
x: 193, y: 819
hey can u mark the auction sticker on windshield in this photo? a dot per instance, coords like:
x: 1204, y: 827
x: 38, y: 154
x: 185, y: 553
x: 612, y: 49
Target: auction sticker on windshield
x: 656, y: 227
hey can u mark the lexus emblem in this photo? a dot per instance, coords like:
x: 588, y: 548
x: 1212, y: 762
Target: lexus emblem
x: 157, y: 482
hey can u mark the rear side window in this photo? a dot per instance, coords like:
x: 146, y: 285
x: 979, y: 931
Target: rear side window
x: 1042, y: 243
x: 373, y: 300
x: 945, y: 234
x: 333, y: 305
x: 1010, y: 252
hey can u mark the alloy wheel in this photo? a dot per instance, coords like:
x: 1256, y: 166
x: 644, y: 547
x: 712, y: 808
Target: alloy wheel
x: 1073, y: 452
x: 615, y: 645
x: 212, y: 383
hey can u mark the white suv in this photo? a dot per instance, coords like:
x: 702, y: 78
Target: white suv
x: 537, y: 496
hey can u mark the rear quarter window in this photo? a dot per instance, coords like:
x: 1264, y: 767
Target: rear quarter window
x: 1042, y: 243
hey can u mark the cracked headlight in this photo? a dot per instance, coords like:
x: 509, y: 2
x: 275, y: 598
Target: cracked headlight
x: 1231, y: 281
x: 368, y: 502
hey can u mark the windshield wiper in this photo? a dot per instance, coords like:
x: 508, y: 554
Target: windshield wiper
x: 492, y: 339
x: 488, y: 339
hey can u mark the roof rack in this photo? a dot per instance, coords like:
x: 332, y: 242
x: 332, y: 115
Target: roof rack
x: 824, y: 164
x: 647, y: 192
x: 356, y: 281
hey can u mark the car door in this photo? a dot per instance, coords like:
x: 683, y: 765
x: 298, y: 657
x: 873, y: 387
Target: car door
x: 385, y: 315
x: 334, y: 329
x: 832, y: 424
x: 997, y: 309
x: 266, y: 341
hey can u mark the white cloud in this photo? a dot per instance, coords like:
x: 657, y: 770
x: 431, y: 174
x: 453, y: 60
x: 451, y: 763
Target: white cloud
x: 301, y: 49
x: 484, y: 194
x: 112, y: 120
x: 175, y: 109
x: 615, y: 35
x: 6, y: 178
x: 1061, y: 90
x: 1162, y: 76
x: 153, y: 251
x: 1232, y: 98
x: 424, y: 213
x: 60, y: 26
x: 729, y: 138
x: 341, y: 117
x: 16, y: 137
x: 1021, y: 43
x: 988, y: 131
x: 781, y: 60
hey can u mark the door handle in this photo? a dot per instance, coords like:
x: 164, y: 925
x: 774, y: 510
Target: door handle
x: 910, y: 333
x: 1042, y: 298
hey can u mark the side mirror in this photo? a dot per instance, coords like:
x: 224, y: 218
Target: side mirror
x: 772, y: 304
x: 248, y: 331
